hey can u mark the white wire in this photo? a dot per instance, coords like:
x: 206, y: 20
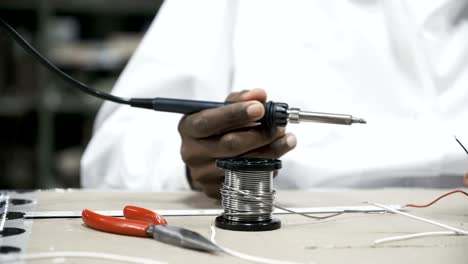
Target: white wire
x: 421, y: 219
x: 453, y: 231
x: 247, y: 257
x: 77, y: 254
x: 5, y: 211
x: 417, y: 235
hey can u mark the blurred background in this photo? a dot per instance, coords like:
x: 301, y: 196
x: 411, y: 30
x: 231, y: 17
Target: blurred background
x: 46, y: 124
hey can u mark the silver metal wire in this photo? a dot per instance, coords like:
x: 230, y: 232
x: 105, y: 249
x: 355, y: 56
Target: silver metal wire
x: 238, y: 190
x: 248, y: 196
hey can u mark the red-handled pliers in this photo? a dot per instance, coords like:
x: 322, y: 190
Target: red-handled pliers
x: 146, y: 223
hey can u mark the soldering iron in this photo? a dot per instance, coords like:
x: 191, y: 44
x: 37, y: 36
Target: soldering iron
x: 276, y: 114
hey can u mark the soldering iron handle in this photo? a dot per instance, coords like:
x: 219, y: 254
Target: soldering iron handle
x: 276, y: 114
x: 182, y: 106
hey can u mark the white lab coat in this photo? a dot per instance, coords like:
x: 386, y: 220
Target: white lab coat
x: 401, y: 65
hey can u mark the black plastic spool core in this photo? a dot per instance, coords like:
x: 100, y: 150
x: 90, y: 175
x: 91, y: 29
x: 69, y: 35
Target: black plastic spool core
x: 252, y: 165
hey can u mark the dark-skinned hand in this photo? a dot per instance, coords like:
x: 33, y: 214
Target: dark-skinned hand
x: 228, y: 132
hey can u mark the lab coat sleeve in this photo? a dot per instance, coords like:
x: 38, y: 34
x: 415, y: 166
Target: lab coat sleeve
x: 186, y: 53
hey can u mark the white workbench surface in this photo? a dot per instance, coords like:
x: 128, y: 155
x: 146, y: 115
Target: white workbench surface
x: 344, y: 239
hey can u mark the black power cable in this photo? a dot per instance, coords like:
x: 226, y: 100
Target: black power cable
x: 59, y: 73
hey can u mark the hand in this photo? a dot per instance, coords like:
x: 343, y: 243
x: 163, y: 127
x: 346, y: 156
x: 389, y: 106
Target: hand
x: 465, y: 180
x: 228, y: 132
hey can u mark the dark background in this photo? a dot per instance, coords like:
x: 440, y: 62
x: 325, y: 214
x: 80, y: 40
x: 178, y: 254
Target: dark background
x: 44, y: 123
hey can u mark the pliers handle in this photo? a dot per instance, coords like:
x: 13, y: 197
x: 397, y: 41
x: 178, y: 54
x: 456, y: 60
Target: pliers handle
x: 136, y: 221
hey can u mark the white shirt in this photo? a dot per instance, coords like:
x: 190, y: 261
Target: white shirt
x: 401, y: 65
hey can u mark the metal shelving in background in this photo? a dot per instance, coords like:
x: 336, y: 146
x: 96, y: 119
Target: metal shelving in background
x: 49, y: 124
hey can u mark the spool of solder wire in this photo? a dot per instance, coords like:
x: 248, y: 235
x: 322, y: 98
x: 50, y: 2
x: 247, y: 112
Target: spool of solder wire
x: 247, y: 194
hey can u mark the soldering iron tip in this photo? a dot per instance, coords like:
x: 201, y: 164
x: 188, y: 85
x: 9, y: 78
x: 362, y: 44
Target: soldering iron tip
x: 359, y: 120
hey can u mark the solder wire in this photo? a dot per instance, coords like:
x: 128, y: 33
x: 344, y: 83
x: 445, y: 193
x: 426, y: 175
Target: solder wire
x: 239, y: 207
x: 249, y: 196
